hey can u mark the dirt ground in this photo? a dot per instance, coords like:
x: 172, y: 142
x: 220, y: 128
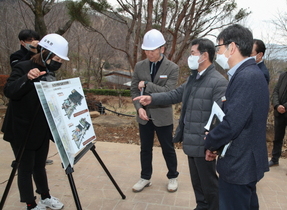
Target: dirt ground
x: 111, y: 127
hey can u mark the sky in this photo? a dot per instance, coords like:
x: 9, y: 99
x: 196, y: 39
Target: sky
x: 263, y: 11
x: 259, y: 21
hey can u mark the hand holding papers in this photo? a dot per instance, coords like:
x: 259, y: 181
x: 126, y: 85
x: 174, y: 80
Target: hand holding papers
x: 216, y: 116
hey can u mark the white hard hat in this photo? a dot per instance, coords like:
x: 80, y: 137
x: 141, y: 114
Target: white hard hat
x: 56, y: 44
x: 153, y: 39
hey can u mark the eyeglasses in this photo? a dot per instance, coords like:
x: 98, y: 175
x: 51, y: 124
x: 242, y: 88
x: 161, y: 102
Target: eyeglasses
x: 217, y: 46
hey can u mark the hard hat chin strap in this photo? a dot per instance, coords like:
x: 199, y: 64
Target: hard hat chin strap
x: 44, y: 61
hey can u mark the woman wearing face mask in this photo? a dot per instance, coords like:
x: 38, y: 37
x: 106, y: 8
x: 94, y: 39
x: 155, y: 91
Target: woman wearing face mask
x: 25, y: 120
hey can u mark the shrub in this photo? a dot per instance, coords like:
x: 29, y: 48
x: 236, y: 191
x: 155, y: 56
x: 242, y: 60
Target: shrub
x: 108, y: 92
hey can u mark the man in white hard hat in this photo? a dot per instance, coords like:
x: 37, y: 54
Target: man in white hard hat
x: 152, y: 75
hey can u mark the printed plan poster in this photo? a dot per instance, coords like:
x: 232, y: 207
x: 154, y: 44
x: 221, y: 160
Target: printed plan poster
x: 68, y: 116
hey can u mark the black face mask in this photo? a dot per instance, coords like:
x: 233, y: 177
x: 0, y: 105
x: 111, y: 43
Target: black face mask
x: 54, y: 65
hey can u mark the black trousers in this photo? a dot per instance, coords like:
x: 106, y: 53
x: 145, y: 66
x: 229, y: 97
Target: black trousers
x: 235, y: 197
x: 164, y: 135
x: 32, y: 163
x: 280, y: 123
x: 204, y: 182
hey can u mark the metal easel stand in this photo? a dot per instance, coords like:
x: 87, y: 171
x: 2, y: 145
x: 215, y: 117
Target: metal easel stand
x: 70, y: 170
x: 93, y: 149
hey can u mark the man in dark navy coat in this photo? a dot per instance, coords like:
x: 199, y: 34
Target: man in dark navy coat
x: 244, y: 124
x: 258, y: 52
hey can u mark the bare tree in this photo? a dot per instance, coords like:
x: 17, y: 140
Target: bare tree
x: 179, y: 20
x: 43, y: 16
x: 280, y: 22
x: 40, y: 8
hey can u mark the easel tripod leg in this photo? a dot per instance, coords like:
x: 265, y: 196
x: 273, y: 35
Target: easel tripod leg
x: 73, y: 187
x: 93, y: 149
x: 15, y: 165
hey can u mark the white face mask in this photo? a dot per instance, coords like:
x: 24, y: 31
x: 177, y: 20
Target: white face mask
x: 222, y: 60
x: 193, y: 61
x: 27, y: 46
x: 255, y: 57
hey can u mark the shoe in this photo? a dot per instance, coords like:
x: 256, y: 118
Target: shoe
x: 49, y: 162
x: 172, y: 185
x: 141, y: 184
x: 272, y: 163
x: 52, y: 203
x: 39, y: 207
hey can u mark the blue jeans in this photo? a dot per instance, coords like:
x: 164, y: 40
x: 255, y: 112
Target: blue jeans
x: 164, y: 135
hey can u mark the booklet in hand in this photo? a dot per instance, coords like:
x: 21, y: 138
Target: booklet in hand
x: 216, y: 116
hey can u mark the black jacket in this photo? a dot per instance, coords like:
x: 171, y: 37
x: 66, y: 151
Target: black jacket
x: 279, y: 96
x: 197, y: 97
x: 24, y: 116
x: 265, y: 71
x: 21, y: 55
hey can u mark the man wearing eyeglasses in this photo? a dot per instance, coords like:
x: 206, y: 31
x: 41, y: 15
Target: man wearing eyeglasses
x: 244, y: 125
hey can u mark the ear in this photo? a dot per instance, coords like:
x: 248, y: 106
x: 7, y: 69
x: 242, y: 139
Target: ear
x: 48, y: 61
x: 233, y: 48
x: 162, y: 50
x: 204, y: 56
x: 260, y: 55
x: 22, y: 43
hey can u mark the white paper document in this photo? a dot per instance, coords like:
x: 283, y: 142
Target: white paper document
x: 217, y: 112
x: 216, y: 116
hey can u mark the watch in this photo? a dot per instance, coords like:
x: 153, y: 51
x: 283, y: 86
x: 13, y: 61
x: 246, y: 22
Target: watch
x: 145, y: 83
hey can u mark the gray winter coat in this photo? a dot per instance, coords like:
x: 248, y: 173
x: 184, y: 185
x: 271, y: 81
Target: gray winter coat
x: 197, y: 97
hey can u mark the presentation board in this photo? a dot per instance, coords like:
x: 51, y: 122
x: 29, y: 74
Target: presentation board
x: 67, y: 113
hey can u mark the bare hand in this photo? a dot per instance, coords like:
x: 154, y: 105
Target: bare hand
x: 210, y: 156
x: 142, y: 114
x: 281, y: 109
x: 141, y: 85
x: 144, y: 100
x: 35, y: 73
